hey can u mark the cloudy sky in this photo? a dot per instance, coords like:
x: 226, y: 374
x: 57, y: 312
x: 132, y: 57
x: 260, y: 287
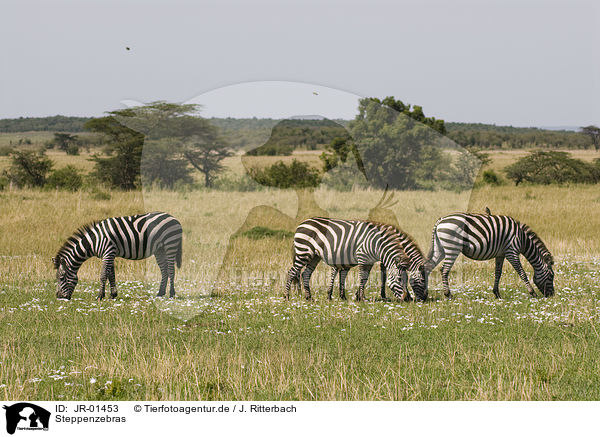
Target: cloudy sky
x: 524, y: 63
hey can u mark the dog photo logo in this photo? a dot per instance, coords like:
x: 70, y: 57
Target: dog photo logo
x: 24, y: 416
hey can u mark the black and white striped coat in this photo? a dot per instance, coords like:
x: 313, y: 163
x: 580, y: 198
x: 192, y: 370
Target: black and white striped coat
x: 131, y: 237
x: 347, y: 243
x: 486, y: 236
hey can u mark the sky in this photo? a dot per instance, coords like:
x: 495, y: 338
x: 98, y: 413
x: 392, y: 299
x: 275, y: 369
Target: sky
x: 520, y: 63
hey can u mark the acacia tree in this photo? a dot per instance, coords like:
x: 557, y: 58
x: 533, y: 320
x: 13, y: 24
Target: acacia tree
x: 188, y: 136
x: 594, y: 133
x: 120, y: 167
x: 64, y: 140
x: 206, y: 156
x: 547, y: 167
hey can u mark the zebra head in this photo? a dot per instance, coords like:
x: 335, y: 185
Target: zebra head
x: 396, y: 280
x: 543, y: 277
x: 418, y: 279
x: 66, y: 278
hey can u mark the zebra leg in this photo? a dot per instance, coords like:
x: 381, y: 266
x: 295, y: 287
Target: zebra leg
x: 448, y: 263
x: 513, y: 259
x: 343, y: 275
x: 293, y: 274
x: 307, y: 273
x: 363, y: 271
x: 171, y: 273
x: 499, y: 263
x: 161, y: 260
x: 383, y: 279
x: 333, y: 274
x: 104, y: 273
x: 111, y: 279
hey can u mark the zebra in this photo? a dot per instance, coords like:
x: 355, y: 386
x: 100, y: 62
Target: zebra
x: 130, y: 237
x: 487, y: 236
x: 347, y: 243
x: 412, y: 257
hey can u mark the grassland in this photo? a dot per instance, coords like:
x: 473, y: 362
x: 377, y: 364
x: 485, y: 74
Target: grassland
x: 241, y: 340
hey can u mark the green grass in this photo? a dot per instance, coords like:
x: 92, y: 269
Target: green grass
x: 248, y: 343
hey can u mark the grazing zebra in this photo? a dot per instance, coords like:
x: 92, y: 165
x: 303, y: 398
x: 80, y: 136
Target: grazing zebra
x: 412, y: 257
x: 132, y: 237
x: 347, y: 243
x: 487, y: 236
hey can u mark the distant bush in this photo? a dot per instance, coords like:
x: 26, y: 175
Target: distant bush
x: 67, y: 178
x: 490, y: 177
x: 296, y: 175
x: 28, y: 168
x: 553, y: 167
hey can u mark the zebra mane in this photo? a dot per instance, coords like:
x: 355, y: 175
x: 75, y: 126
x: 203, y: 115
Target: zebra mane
x: 391, y: 230
x: 77, y: 235
x: 537, y: 241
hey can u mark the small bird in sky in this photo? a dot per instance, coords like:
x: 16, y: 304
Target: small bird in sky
x: 127, y: 48
x: 315, y: 93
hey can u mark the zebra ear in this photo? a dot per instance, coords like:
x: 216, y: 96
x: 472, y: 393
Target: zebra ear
x: 54, y: 263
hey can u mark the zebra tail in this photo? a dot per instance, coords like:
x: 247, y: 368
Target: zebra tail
x: 429, y: 263
x: 179, y: 253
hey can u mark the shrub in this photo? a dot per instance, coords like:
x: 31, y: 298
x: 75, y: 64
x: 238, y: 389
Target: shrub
x: 28, y: 168
x: 296, y: 175
x: 67, y: 178
x: 490, y: 177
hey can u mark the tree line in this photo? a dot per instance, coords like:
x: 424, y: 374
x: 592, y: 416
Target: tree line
x: 389, y: 144
x: 250, y: 133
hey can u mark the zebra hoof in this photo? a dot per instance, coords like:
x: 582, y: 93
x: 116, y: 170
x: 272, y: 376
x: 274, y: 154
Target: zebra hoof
x: 160, y: 294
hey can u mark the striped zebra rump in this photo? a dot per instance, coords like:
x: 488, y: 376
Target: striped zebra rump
x: 332, y: 240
